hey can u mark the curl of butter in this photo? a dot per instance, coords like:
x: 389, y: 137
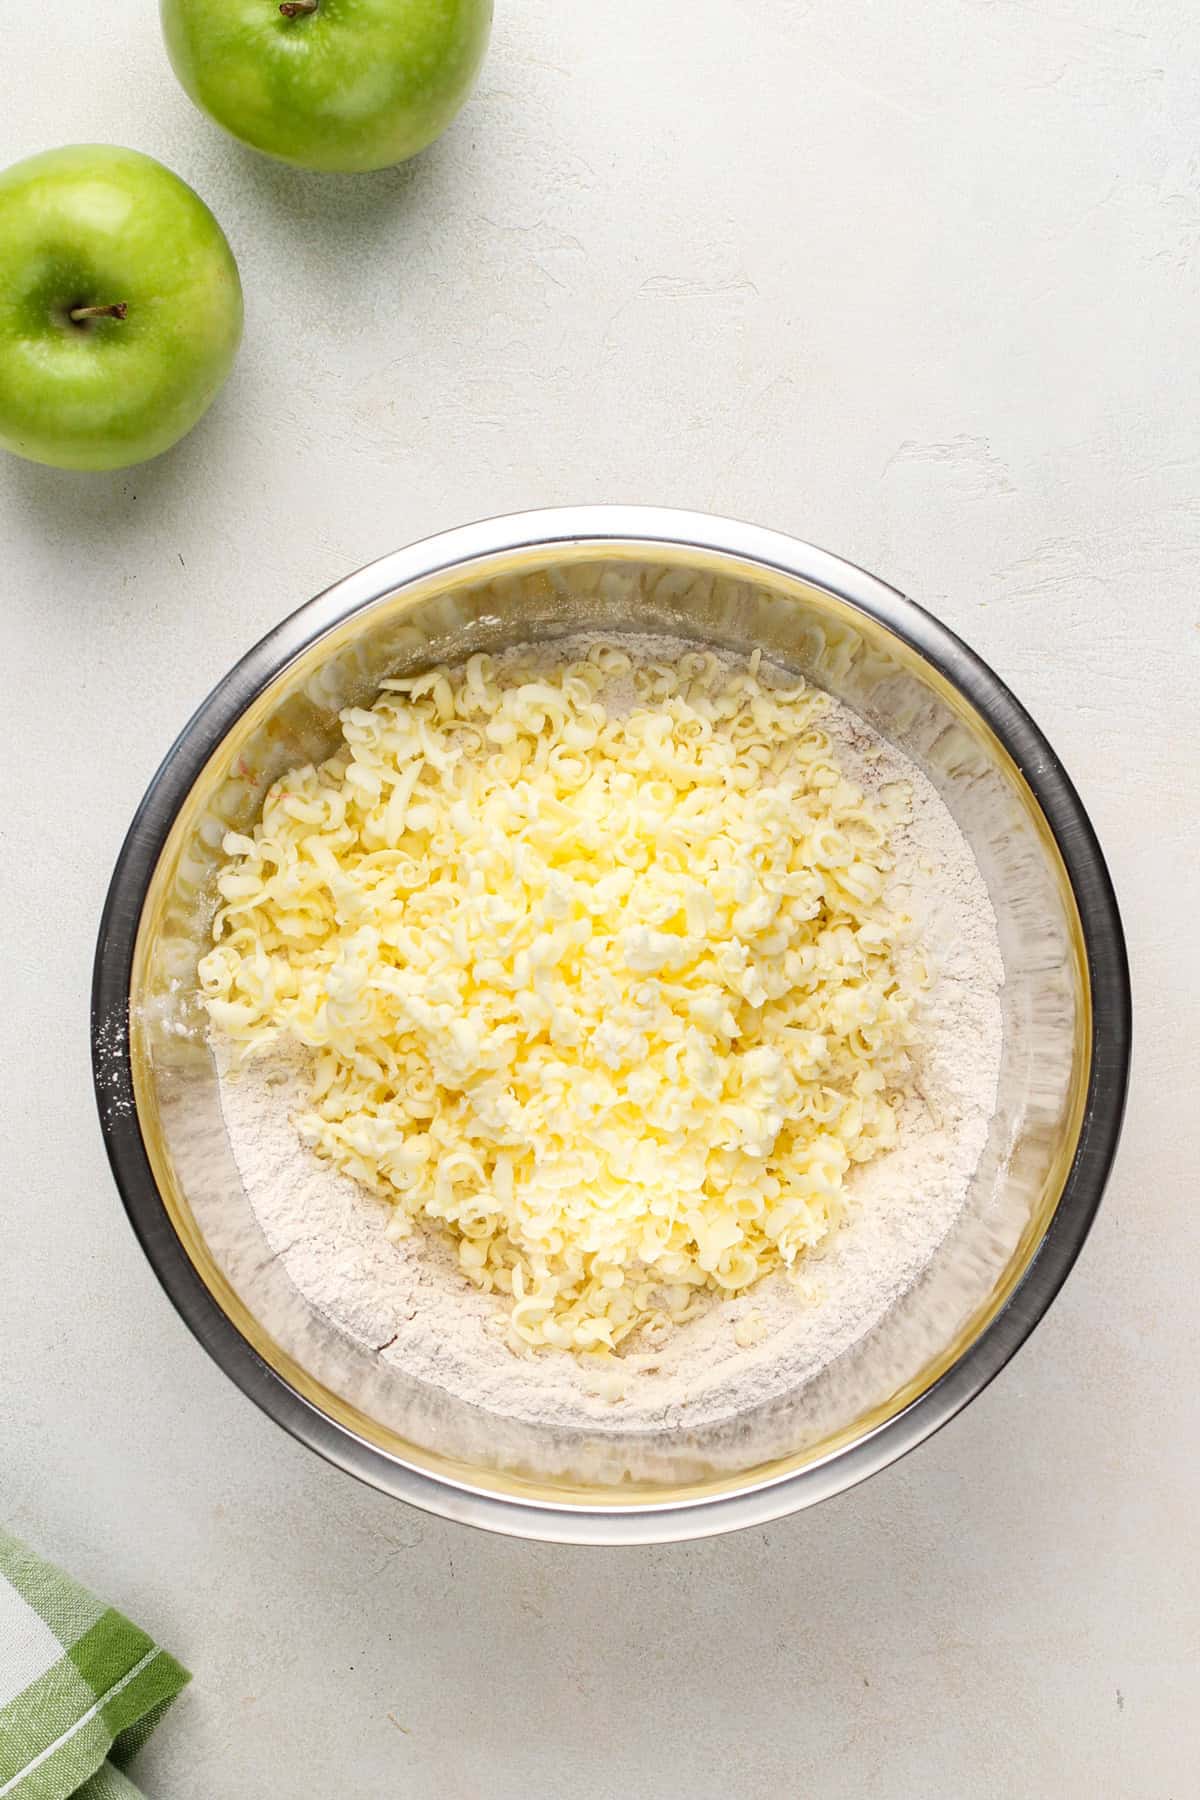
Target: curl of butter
x: 612, y: 997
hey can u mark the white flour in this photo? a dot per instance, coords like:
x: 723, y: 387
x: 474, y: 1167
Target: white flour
x: 409, y: 1302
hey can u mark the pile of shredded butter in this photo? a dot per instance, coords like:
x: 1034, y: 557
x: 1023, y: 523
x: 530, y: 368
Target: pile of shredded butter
x: 611, y: 993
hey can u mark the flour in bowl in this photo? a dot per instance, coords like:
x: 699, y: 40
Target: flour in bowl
x: 411, y: 1302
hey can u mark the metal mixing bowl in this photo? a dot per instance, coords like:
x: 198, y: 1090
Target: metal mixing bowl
x: 1065, y: 999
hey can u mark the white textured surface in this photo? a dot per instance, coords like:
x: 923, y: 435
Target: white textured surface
x: 920, y: 284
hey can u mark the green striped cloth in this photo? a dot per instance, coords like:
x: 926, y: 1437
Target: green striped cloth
x: 81, y: 1689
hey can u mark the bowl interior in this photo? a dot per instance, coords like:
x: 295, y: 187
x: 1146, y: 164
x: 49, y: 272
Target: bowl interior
x: 715, y: 598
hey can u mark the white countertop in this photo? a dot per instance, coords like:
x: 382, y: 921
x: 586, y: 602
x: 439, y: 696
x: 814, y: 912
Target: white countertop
x: 921, y: 285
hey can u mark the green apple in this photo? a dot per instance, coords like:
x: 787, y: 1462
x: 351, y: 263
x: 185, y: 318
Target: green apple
x: 120, y: 307
x: 329, y: 84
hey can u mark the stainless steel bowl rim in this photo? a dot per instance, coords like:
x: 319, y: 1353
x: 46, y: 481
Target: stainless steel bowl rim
x: 636, y: 528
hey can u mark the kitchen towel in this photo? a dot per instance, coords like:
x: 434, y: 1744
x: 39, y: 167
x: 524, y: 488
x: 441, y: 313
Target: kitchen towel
x: 81, y: 1689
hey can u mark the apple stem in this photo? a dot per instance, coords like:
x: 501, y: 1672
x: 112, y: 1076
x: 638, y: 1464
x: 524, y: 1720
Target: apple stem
x: 295, y: 9
x: 80, y: 313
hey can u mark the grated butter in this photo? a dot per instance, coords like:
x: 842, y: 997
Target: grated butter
x: 611, y: 995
